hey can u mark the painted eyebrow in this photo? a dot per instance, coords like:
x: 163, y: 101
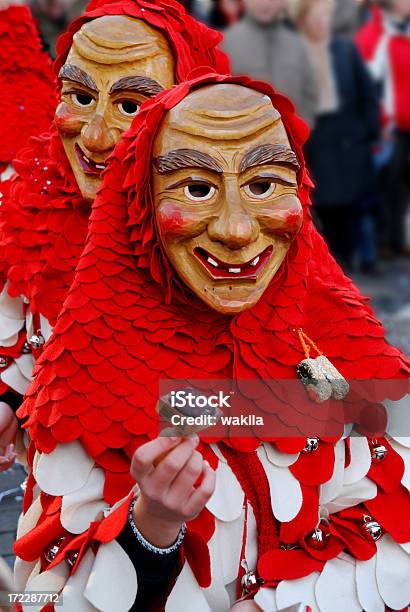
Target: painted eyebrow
x: 269, y: 154
x: 141, y: 84
x: 186, y: 158
x: 73, y: 73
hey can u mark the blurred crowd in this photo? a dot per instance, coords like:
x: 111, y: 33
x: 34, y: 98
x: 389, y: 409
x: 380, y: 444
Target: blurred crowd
x: 346, y: 66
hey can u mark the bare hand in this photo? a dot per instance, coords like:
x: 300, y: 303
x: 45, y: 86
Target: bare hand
x: 168, y: 495
x: 8, y: 429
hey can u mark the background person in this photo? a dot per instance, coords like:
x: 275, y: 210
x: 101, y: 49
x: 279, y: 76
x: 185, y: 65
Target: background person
x: 264, y: 47
x: 347, y: 119
x: 384, y: 42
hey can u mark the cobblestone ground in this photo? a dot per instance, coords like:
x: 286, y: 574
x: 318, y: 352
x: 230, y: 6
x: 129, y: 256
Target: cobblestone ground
x: 390, y: 293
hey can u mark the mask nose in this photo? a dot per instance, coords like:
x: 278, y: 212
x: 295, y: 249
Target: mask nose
x: 97, y: 136
x: 235, y: 227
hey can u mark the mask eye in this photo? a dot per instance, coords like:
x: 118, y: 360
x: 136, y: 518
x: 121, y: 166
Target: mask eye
x: 128, y: 108
x: 82, y: 99
x: 199, y: 192
x: 261, y: 189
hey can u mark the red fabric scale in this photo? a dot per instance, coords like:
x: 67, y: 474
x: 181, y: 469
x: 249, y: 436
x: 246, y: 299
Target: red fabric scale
x: 149, y: 338
x: 27, y: 83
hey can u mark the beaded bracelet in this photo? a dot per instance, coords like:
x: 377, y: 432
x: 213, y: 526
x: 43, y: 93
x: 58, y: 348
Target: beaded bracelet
x: 147, y: 545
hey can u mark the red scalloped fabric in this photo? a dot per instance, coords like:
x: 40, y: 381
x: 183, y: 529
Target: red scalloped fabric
x: 128, y: 322
x: 27, y: 82
x: 43, y: 226
x: 44, y: 218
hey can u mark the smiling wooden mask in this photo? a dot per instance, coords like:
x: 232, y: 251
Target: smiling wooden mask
x: 225, y: 193
x: 115, y: 63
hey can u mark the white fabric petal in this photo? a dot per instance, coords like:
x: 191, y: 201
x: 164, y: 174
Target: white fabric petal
x: 22, y: 571
x: 112, y: 584
x: 73, y: 592
x: 225, y: 549
x: 353, y: 494
x: 9, y: 327
x: 46, y: 328
x: 336, y: 587
x: 367, y: 590
x: 64, y: 470
x: 285, y: 491
x: 279, y: 458
x: 25, y: 364
x: 15, y: 379
x: 330, y: 490
x: 302, y: 590
x: 402, y: 441
x: 360, y: 460
x: 11, y: 341
x: 11, y: 307
x: 251, y: 546
x: 227, y: 500
x: 405, y: 455
x: 406, y: 547
x: 393, y: 573
x: 82, y: 506
x: 51, y: 581
x: 187, y: 594
x: 266, y: 600
x: 397, y: 415
x: 29, y: 520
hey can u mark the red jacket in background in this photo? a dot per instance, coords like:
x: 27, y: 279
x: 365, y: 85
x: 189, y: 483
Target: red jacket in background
x: 386, y: 48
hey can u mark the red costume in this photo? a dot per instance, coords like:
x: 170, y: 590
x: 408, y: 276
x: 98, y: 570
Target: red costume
x: 44, y: 217
x: 27, y: 83
x: 127, y: 323
x: 385, y: 45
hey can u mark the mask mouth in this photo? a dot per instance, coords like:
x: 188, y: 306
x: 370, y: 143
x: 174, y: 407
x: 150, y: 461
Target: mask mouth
x: 220, y: 270
x: 88, y: 165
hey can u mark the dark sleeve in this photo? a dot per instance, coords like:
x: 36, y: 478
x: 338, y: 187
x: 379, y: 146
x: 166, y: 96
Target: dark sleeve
x: 14, y: 400
x: 155, y: 573
x: 367, y: 92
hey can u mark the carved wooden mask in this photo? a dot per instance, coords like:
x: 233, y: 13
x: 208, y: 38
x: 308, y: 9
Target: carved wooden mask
x: 225, y: 193
x: 115, y: 63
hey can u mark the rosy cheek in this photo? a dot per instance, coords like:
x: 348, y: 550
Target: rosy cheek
x: 286, y: 218
x: 66, y: 121
x: 175, y: 222
x: 293, y: 220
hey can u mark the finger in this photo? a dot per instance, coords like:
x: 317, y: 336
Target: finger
x: 182, y: 486
x: 200, y: 496
x: 175, y: 462
x: 144, y: 456
x: 6, y: 461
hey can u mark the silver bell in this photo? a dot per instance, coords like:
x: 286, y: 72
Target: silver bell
x: 4, y: 362
x: 379, y: 451
x: 26, y: 348
x: 250, y: 581
x: 36, y: 341
x: 317, y: 539
x: 371, y: 529
x: 312, y: 444
x: 71, y: 558
x: 52, y: 550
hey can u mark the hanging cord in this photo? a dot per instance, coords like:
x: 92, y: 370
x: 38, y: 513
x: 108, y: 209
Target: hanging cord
x: 307, y: 343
